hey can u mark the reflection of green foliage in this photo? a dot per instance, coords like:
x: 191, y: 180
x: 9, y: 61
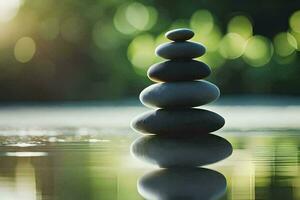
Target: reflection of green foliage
x: 265, y: 162
x: 92, y: 49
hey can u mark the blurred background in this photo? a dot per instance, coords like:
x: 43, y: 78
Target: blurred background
x: 100, y: 50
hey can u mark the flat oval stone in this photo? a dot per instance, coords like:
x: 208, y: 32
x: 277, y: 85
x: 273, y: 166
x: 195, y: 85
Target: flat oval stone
x: 179, y: 94
x: 180, y: 122
x: 180, y: 34
x: 184, y: 152
x: 178, y: 70
x: 182, y: 183
x: 180, y: 50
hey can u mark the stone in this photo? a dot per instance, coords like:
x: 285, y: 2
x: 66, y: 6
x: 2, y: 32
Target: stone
x: 180, y: 122
x: 178, y: 70
x: 182, y: 183
x: 180, y: 50
x: 179, y: 94
x: 180, y: 34
x: 167, y: 152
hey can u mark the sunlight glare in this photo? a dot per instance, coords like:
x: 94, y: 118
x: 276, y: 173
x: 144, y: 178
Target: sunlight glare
x: 9, y: 9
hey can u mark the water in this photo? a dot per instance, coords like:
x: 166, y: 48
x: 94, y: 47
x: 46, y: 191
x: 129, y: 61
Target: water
x: 92, y: 161
x: 264, y: 165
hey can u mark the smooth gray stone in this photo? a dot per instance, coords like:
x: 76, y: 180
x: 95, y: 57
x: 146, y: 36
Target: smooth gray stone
x: 180, y: 34
x: 184, y: 152
x: 180, y: 50
x: 178, y: 70
x: 180, y: 122
x: 182, y: 183
x: 179, y: 94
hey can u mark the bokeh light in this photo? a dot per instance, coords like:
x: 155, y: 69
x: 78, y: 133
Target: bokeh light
x: 153, y: 15
x: 285, y: 60
x: 141, y: 52
x: 212, y: 59
x: 297, y: 38
x: 73, y: 29
x: 240, y: 25
x: 104, y: 44
x: 24, y: 49
x: 9, y: 9
x: 232, y: 46
x: 202, y: 22
x: 121, y: 22
x: 137, y: 15
x: 179, y: 23
x: 105, y: 36
x: 258, y: 51
x: 206, y: 31
x: 49, y: 28
x: 134, y: 17
x: 160, y: 39
x: 210, y: 41
x: 295, y: 21
x: 284, y: 44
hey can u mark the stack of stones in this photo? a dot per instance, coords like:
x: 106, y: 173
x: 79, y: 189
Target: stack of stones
x: 178, y: 91
x: 177, y: 133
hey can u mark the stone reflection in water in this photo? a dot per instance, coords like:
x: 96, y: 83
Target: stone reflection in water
x: 182, y: 140
x: 192, y: 151
x: 181, y: 179
x: 182, y: 183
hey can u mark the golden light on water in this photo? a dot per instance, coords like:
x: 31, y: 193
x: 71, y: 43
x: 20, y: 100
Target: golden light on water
x: 258, y: 51
x: 26, y: 154
x: 284, y: 44
x: 9, y: 9
x: 25, y: 49
x: 240, y: 25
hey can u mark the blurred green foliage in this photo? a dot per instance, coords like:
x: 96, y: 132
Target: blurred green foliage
x: 87, y: 50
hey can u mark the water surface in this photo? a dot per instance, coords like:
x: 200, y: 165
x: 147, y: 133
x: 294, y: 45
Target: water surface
x: 264, y: 165
x: 73, y: 152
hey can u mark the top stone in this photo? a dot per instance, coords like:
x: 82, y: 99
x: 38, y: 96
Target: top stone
x: 180, y: 34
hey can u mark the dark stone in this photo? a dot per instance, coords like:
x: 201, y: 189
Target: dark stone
x: 178, y: 70
x: 184, y: 152
x: 179, y: 94
x: 180, y: 50
x: 178, y: 122
x: 180, y: 34
x: 182, y: 183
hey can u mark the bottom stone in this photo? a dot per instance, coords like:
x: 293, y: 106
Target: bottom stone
x: 178, y: 122
x: 184, y: 183
x: 183, y: 152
